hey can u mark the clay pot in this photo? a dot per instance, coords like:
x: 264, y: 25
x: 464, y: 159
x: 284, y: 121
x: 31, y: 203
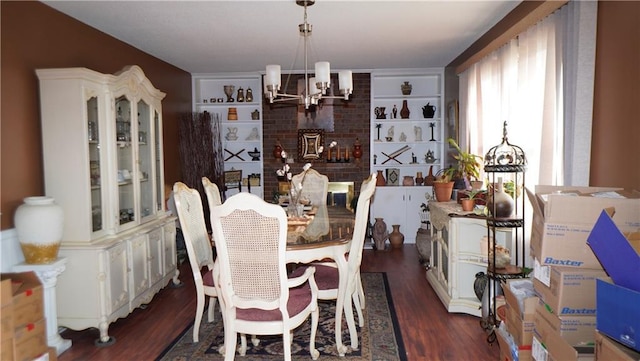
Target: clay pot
x: 404, y: 112
x: 467, y: 204
x: 443, y: 191
x: 380, y: 234
x: 396, y: 238
x: 406, y: 88
x: 428, y: 181
x: 407, y: 181
x: 380, y: 181
x: 419, y: 179
x: 357, y: 149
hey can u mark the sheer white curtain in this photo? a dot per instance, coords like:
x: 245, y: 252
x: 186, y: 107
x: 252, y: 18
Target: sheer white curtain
x: 538, y: 83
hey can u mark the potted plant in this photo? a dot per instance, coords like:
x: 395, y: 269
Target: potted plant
x: 469, y: 164
x: 469, y: 202
x: 443, y: 184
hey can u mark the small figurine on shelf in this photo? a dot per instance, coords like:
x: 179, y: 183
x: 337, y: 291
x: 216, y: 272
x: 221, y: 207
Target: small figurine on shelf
x: 390, y: 133
x: 417, y: 130
x: 432, y: 125
x: 414, y: 159
x: 403, y: 137
x: 395, y: 112
x: 378, y: 126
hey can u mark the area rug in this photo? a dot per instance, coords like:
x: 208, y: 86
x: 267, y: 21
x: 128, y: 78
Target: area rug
x: 379, y: 339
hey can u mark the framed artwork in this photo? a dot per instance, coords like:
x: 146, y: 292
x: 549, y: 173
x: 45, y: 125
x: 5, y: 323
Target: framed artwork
x: 453, y: 126
x: 309, y: 143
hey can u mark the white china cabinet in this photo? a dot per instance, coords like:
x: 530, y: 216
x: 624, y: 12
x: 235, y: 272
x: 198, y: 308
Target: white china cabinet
x: 240, y: 114
x: 103, y: 163
x: 407, y: 136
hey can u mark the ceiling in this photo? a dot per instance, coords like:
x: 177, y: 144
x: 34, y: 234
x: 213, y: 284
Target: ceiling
x: 244, y: 36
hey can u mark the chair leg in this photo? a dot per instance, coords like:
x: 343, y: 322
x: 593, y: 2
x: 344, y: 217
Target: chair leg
x: 361, y: 294
x: 230, y: 339
x: 211, y: 314
x: 315, y: 315
x: 243, y: 345
x: 358, y: 306
x: 199, y: 311
x: 351, y: 323
x: 286, y: 344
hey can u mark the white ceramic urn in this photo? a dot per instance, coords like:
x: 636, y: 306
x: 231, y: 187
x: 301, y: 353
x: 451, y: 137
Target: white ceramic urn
x: 39, y: 223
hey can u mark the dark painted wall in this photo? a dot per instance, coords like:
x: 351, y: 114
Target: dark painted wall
x: 35, y: 36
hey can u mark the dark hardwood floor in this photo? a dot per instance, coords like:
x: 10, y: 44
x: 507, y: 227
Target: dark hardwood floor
x: 429, y: 331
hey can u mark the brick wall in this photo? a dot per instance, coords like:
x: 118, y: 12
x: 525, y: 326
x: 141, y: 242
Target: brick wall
x: 351, y: 121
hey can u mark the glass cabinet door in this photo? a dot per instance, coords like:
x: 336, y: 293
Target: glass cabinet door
x: 93, y: 138
x: 145, y: 157
x: 158, y: 160
x: 125, y: 163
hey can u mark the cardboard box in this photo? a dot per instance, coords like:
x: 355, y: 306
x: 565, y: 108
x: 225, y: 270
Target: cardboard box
x: 27, y: 297
x: 557, y: 349
x: 30, y: 341
x: 618, y: 313
x: 576, y: 330
x: 617, y: 251
x: 608, y: 349
x: 6, y: 322
x: 567, y: 290
x: 521, y: 307
x: 6, y: 349
x: 524, y: 352
x: 6, y: 294
x: 564, y: 217
x: 520, y: 329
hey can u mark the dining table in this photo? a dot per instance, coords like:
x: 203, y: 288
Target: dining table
x: 323, y: 232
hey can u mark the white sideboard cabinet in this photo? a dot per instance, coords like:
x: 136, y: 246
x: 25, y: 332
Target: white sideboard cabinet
x: 103, y: 163
x: 459, y: 251
x: 400, y: 205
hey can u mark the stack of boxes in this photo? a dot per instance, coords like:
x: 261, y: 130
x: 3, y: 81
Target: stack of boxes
x: 618, y: 299
x: 566, y: 269
x: 521, y: 304
x: 23, y: 332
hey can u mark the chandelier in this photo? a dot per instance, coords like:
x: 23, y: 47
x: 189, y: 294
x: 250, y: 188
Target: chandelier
x: 315, y: 87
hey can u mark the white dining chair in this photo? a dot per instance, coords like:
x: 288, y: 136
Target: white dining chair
x: 199, y: 249
x: 315, y: 186
x: 257, y: 296
x: 327, y: 275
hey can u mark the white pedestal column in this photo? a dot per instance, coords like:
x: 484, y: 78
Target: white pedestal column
x: 48, y: 275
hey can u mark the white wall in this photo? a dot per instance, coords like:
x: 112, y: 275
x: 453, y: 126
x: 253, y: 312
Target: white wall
x: 10, y: 252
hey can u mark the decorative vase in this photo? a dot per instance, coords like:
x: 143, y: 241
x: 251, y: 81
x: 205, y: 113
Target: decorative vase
x: 428, y: 181
x: 249, y: 96
x: 357, y: 149
x: 396, y: 238
x: 39, y: 224
x: 380, y: 181
x: 240, y: 96
x: 407, y: 181
x: 406, y: 88
x: 499, y: 203
x: 443, y: 191
x: 232, y: 114
x: 419, y: 178
x: 228, y: 91
x: 255, y: 115
x: 480, y: 284
x: 404, y: 112
x: 380, y: 234
x: 277, y: 151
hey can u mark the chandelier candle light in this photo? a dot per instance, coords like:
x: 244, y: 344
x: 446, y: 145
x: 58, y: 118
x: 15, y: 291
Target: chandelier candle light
x: 315, y: 86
